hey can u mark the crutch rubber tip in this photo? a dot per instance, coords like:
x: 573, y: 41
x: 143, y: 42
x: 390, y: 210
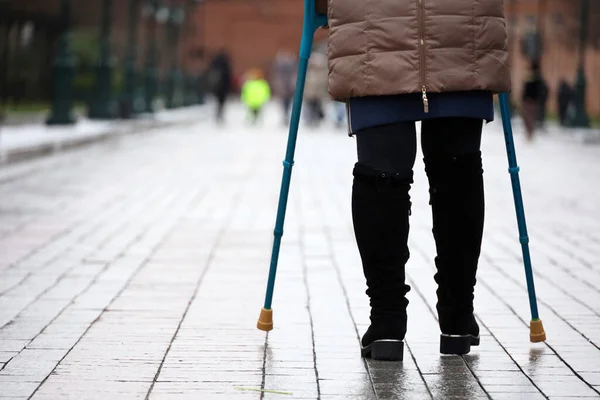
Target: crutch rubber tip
x: 536, y: 331
x: 265, y: 321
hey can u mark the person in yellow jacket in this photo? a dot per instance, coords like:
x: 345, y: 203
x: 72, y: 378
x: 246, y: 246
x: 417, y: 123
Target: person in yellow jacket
x: 255, y: 93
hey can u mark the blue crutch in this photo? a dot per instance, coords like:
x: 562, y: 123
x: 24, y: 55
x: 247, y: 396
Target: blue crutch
x: 312, y: 22
x: 536, y: 328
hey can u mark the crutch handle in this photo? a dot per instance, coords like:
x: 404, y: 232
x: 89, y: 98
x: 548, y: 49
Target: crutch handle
x: 312, y: 22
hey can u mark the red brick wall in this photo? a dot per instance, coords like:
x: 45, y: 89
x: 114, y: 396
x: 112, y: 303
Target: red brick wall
x: 252, y: 31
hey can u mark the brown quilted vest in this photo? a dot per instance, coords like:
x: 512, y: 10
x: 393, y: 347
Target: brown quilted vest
x: 385, y: 47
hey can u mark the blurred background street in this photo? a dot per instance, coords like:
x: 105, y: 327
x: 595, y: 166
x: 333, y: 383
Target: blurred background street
x: 140, y: 162
x: 63, y: 60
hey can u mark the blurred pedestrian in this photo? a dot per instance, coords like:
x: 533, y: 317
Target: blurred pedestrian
x: 396, y: 64
x: 544, y: 94
x: 285, y: 69
x: 255, y: 93
x: 340, y: 114
x: 565, y: 96
x: 220, y: 77
x: 532, y: 93
x: 315, y: 89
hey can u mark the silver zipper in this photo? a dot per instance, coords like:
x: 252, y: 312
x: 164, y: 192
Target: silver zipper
x: 349, y: 118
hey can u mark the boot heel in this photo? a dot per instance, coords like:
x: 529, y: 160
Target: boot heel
x: 457, y: 344
x: 386, y: 350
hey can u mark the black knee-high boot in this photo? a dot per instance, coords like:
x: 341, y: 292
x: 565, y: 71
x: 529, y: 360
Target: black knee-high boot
x: 457, y: 203
x: 380, y: 211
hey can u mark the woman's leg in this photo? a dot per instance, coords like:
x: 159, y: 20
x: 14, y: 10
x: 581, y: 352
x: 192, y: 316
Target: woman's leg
x: 530, y: 113
x: 380, y: 211
x: 255, y: 111
x: 221, y: 98
x: 340, y: 113
x: 286, y: 103
x: 451, y: 147
x: 312, y: 111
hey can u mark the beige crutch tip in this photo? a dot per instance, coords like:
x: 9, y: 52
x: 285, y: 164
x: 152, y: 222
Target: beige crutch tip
x: 265, y: 321
x: 536, y: 331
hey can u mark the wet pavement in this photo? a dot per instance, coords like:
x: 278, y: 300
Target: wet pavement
x: 136, y: 269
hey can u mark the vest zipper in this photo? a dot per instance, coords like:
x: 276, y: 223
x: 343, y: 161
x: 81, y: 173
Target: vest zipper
x: 423, y: 69
x: 349, y: 118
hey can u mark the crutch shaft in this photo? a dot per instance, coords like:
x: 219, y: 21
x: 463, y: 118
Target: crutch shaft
x: 311, y: 23
x: 288, y: 164
x: 518, y: 199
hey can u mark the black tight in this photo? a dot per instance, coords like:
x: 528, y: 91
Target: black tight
x: 393, y: 148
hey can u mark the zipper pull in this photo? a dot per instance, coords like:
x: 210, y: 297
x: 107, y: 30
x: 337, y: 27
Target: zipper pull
x: 425, y: 100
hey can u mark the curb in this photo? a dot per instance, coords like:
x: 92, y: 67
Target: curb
x: 134, y: 126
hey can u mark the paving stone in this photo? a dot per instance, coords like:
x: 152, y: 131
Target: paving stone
x: 592, y: 378
x: 92, y: 390
x: 33, y: 364
x: 405, y: 394
x: 7, y: 355
x: 346, y: 388
x: 17, y: 386
x: 517, y: 379
x: 515, y: 388
x: 12, y: 345
x: 196, y: 390
x: 566, y: 387
x: 573, y: 397
x: 443, y: 386
x: 516, y: 396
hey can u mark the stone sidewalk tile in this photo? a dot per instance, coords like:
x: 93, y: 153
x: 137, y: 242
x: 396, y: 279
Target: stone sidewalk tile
x: 201, y: 390
x: 140, y: 274
x: 17, y: 387
x: 84, y: 389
